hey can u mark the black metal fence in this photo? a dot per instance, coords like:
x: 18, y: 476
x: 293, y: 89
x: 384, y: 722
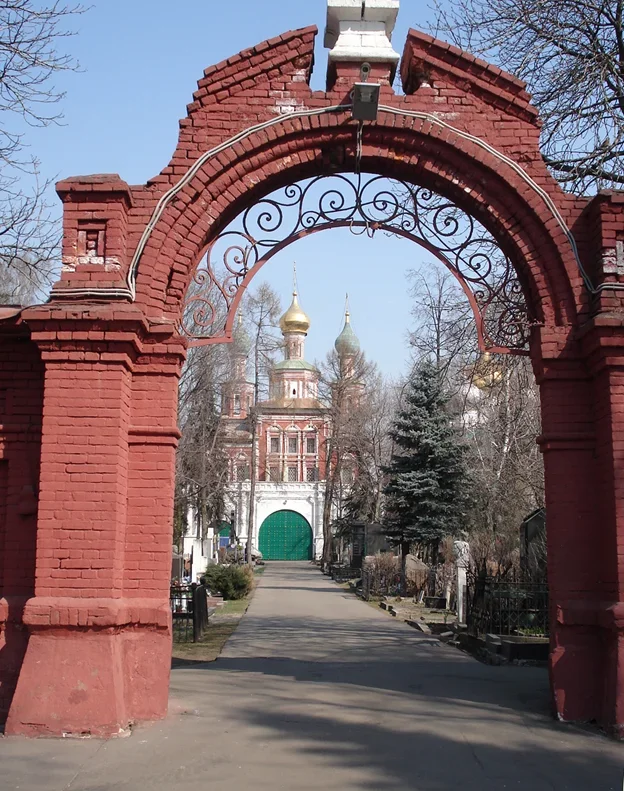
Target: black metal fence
x: 507, y: 608
x: 341, y: 573
x: 189, y: 609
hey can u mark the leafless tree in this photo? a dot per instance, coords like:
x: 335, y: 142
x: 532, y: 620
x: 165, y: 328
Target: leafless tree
x: 30, y: 37
x: 201, y: 465
x: 262, y: 313
x: 202, y: 468
x: 496, y: 403
x: 571, y: 54
x: 371, y: 448
x: 356, y: 445
x: 18, y: 285
x: 444, y: 329
x: 501, y: 424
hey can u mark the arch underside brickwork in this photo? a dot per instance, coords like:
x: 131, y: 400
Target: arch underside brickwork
x: 110, y: 356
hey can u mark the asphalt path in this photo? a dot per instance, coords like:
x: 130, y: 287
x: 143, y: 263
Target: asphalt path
x: 317, y: 690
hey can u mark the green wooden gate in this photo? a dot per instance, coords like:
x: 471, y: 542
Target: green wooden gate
x: 286, y: 535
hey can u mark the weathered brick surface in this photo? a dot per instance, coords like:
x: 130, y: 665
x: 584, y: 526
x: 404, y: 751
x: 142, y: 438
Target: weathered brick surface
x: 21, y: 393
x: 107, y: 438
x: 106, y: 456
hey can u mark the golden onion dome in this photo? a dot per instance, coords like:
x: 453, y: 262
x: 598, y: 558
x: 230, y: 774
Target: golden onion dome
x: 486, y: 373
x: 295, y: 320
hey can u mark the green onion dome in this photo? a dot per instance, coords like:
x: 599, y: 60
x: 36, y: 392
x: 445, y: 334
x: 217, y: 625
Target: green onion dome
x: 347, y: 342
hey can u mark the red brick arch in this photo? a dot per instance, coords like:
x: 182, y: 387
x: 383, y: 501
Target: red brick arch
x: 477, y: 181
x: 97, y: 472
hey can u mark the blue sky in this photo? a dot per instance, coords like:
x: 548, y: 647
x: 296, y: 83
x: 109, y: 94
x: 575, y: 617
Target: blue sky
x: 140, y: 61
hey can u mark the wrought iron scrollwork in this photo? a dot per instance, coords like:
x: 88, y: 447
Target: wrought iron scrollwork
x: 366, y: 204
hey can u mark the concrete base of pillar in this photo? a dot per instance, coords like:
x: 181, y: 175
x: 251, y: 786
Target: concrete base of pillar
x: 95, y: 676
x: 13, y: 643
x: 587, y: 664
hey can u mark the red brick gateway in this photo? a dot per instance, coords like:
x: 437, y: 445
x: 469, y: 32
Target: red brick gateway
x: 88, y: 387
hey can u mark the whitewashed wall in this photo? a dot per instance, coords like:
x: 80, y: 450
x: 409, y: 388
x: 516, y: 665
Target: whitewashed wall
x: 302, y: 498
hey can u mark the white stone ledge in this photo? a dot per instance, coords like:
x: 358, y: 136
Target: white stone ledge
x: 361, y: 30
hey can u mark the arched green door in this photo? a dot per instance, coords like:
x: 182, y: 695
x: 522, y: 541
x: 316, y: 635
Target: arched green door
x: 286, y: 535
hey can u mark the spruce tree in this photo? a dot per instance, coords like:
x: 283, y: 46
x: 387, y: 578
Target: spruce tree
x: 427, y: 487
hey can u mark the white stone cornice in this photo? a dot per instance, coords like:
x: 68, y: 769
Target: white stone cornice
x: 361, y: 30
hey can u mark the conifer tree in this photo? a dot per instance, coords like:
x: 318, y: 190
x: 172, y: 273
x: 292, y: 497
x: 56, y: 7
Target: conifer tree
x: 427, y: 487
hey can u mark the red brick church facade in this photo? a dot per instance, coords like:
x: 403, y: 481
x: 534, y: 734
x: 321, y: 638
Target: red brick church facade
x: 293, y: 429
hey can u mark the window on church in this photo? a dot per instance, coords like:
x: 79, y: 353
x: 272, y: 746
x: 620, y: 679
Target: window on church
x: 274, y: 444
x: 312, y: 474
x: 311, y: 445
x: 242, y: 472
x: 292, y: 475
x: 237, y: 405
x: 274, y: 474
x: 292, y: 444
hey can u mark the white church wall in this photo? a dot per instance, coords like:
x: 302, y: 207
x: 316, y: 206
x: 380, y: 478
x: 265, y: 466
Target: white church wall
x: 305, y: 499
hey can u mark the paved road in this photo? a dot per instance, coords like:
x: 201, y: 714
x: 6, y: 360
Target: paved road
x: 317, y: 690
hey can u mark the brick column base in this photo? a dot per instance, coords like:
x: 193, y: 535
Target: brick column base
x: 13, y: 642
x: 92, y: 667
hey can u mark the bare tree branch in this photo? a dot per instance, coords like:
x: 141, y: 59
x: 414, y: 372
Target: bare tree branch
x: 571, y: 54
x: 29, y: 60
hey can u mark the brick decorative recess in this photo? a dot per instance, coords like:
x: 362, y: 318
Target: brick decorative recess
x: 88, y: 382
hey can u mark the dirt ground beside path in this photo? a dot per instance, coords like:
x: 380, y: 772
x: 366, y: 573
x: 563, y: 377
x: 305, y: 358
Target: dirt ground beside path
x: 316, y: 691
x: 221, y: 626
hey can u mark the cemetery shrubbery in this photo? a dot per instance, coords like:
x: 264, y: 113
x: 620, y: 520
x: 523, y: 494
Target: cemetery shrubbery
x: 232, y: 582
x: 381, y: 575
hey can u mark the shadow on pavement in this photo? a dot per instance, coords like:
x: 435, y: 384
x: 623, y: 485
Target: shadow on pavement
x: 371, y: 654
x: 434, y: 761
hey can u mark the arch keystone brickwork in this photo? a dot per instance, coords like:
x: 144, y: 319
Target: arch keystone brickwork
x: 88, y: 382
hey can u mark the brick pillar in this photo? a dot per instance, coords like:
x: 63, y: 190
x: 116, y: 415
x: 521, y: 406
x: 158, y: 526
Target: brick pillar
x: 568, y: 445
x: 604, y: 345
x: 21, y: 396
x: 583, y: 427
x: 149, y: 536
x: 89, y: 645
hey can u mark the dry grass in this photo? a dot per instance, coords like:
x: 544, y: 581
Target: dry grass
x: 221, y: 627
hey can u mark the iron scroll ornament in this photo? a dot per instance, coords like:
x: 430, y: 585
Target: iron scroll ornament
x: 365, y: 204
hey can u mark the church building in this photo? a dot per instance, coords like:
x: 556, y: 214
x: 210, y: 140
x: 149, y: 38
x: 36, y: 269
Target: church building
x: 291, y: 430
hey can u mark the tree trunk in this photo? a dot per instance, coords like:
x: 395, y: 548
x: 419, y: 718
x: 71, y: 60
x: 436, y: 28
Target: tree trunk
x: 327, y: 536
x: 252, y: 489
x: 405, y: 548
